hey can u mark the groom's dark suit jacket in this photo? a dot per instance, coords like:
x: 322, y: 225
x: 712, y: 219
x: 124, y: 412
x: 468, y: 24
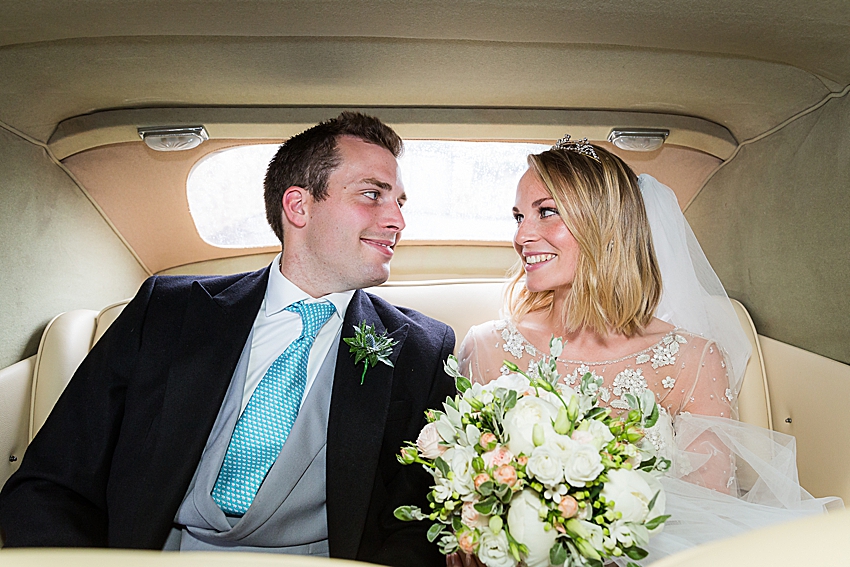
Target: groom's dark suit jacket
x: 114, y: 459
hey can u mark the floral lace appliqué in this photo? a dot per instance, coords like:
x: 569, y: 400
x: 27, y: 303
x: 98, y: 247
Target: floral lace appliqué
x: 514, y: 343
x: 576, y: 376
x: 665, y: 353
x: 629, y: 381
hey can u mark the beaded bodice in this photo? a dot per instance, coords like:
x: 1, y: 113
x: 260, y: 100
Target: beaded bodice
x: 685, y: 371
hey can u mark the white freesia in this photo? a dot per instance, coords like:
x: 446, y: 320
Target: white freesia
x: 428, y: 442
x: 520, y: 421
x: 478, y: 392
x: 621, y: 533
x: 516, y: 382
x: 493, y: 549
x: 584, y: 465
x: 526, y: 527
x: 472, y: 434
x: 596, y: 537
x: 546, y: 466
x: 446, y: 430
x: 442, y: 490
x: 459, y: 459
x: 632, y: 491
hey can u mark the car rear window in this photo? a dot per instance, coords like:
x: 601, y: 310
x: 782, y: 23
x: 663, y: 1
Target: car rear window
x: 457, y: 192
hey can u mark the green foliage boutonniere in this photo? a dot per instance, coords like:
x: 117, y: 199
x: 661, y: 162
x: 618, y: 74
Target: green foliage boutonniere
x: 370, y: 347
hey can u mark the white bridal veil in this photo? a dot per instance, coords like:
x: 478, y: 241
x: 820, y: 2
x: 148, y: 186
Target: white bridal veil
x: 693, y: 297
x: 763, y: 485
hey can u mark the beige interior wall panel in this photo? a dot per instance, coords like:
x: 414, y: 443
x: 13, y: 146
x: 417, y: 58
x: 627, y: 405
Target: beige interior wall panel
x: 775, y: 224
x: 57, y: 252
x: 15, y: 392
x: 808, y: 397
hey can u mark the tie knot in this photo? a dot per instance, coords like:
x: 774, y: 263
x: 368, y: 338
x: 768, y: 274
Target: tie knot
x: 313, y: 315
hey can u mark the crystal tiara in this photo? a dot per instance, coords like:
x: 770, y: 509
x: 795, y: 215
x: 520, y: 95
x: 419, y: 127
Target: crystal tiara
x: 579, y: 147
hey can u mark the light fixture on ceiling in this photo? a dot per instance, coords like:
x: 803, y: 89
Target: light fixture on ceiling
x: 173, y: 138
x: 638, y: 139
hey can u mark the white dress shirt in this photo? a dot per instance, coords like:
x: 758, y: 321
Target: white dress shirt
x: 275, y: 329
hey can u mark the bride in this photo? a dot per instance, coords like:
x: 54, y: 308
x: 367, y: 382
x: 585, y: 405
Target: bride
x: 595, y: 243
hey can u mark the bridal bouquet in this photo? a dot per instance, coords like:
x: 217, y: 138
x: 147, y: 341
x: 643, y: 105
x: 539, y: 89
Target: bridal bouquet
x: 528, y: 470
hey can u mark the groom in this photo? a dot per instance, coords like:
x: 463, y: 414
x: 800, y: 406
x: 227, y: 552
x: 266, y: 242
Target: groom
x: 227, y: 412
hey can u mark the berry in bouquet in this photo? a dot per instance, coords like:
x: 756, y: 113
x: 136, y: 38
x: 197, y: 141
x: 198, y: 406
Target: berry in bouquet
x: 530, y: 471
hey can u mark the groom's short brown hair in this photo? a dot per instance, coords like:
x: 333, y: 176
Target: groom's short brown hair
x: 307, y: 159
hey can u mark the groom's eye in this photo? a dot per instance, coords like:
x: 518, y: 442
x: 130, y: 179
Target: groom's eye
x: 518, y: 218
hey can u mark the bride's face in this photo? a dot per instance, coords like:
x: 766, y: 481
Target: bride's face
x: 548, y: 249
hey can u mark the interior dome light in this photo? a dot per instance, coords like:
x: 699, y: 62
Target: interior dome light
x: 173, y: 139
x: 638, y: 140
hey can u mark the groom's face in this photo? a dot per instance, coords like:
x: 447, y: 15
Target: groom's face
x: 352, y: 233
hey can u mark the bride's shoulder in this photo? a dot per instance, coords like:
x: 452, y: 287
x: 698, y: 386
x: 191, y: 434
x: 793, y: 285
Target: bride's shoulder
x: 488, y: 328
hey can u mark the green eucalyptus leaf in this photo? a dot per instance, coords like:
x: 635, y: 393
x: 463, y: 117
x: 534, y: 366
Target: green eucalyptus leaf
x: 442, y: 466
x: 656, y: 521
x: 635, y: 553
x: 558, y: 554
x: 434, y: 532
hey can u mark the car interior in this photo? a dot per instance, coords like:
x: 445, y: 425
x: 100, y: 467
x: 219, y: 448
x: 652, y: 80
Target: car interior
x: 741, y: 108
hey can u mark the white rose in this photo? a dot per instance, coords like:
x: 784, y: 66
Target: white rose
x: 526, y: 527
x: 428, y: 442
x: 520, y: 421
x: 546, y: 466
x: 459, y: 459
x: 493, y: 550
x: 632, y: 491
x: 600, y: 432
x: 516, y: 382
x: 584, y: 465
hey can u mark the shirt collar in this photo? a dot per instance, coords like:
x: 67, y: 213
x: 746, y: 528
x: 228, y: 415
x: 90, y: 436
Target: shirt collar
x: 281, y: 293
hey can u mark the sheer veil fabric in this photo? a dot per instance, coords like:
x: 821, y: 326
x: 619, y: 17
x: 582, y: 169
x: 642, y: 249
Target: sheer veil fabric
x: 727, y: 476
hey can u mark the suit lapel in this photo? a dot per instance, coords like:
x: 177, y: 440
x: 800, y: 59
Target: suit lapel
x: 355, y: 431
x: 214, y: 333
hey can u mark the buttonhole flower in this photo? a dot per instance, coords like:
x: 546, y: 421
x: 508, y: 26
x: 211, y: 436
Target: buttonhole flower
x: 370, y: 347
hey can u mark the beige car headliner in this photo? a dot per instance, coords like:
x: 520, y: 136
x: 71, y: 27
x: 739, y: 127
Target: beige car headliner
x: 742, y: 64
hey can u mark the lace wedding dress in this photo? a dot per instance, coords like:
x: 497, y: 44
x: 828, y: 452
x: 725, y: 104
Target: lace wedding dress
x: 727, y: 477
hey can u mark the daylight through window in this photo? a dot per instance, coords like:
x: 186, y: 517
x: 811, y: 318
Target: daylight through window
x: 456, y: 191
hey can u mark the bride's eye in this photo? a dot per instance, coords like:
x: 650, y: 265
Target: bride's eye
x: 518, y: 218
x: 548, y: 212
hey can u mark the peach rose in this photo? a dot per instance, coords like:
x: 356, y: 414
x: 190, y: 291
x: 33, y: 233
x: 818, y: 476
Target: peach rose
x: 486, y: 441
x: 470, y: 517
x: 428, y: 442
x: 522, y: 460
x: 568, y: 506
x: 505, y: 474
x: 497, y: 457
x: 467, y: 542
x: 480, y: 479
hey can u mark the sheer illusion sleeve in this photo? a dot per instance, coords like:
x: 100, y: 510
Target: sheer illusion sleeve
x: 481, y: 354
x: 704, y: 393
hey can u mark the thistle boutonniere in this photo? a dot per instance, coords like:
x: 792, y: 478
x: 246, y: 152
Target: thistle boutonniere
x: 370, y: 347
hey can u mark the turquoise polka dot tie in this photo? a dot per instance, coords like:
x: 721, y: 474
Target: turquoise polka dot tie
x: 267, y: 420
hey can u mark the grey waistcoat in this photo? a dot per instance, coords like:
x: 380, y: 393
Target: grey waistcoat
x: 288, y: 514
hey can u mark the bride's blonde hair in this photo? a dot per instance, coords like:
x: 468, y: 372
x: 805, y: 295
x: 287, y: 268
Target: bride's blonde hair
x: 617, y: 283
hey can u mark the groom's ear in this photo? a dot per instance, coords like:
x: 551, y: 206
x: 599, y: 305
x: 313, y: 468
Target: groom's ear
x: 295, y: 206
